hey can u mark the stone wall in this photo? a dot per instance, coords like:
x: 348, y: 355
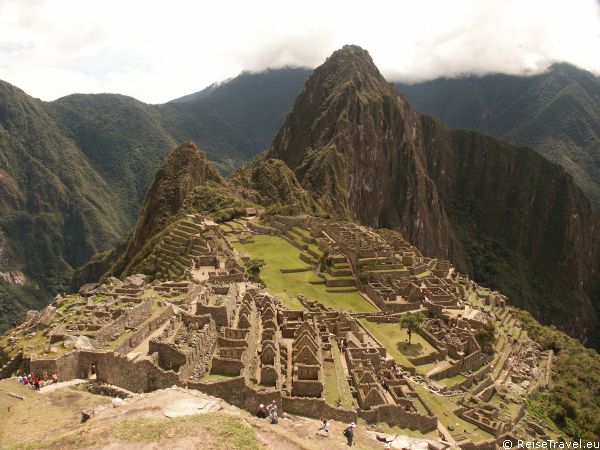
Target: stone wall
x: 11, y: 366
x: 236, y: 392
x: 131, y: 319
x: 111, y: 368
x: 169, y: 357
x: 426, y: 359
x: 317, y: 408
x: 396, y: 415
x: 489, y: 444
x: 262, y: 230
x: 226, y: 366
x: 136, y: 338
x: 108, y: 390
x: 219, y: 313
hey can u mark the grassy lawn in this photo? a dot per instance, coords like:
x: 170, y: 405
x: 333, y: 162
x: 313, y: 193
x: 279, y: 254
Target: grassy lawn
x: 440, y: 405
x: 280, y: 254
x: 451, y: 381
x: 216, y: 377
x: 336, y: 386
x: 302, y: 231
x: 394, y: 339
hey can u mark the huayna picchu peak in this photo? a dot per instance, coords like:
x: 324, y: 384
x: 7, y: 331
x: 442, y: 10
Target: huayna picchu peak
x: 496, y: 210
x: 371, y: 268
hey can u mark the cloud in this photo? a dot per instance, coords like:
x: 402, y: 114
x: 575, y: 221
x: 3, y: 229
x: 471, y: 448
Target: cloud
x: 157, y: 50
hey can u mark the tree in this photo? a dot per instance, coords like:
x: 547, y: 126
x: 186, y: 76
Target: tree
x: 254, y: 265
x: 486, y: 337
x: 411, y: 321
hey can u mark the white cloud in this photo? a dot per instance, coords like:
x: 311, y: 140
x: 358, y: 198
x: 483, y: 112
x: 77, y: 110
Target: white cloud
x: 156, y: 51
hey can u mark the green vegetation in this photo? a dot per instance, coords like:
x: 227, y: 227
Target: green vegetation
x: 216, y: 377
x: 572, y: 400
x: 280, y: 254
x: 337, y: 390
x: 253, y: 266
x: 486, y: 337
x: 395, y: 340
x: 552, y: 112
x: 411, y: 322
x: 217, y: 431
x: 216, y: 200
x: 75, y: 170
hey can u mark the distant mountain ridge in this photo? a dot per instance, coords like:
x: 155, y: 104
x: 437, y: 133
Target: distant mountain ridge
x: 557, y: 113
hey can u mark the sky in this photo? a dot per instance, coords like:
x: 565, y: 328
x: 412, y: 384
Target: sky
x: 156, y: 51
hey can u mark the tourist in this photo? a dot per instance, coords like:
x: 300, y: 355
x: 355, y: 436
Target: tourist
x: 20, y: 379
x: 261, y: 413
x: 36, y: 383
x: 349, y: 433
x: 324, y: 428
x: 273, y: 412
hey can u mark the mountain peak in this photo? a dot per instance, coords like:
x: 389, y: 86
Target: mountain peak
x: 351, y: 52
x: 182, y: 170
x: 350, y: 61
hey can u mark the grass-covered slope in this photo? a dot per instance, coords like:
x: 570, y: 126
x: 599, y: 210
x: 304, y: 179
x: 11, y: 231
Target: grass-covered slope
x: 572, y: 401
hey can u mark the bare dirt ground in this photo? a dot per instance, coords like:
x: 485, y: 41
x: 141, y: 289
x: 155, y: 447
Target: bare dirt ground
x: 172, y: 418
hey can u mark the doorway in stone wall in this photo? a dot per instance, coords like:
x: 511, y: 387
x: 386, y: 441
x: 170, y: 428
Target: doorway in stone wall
x: 92, y: 371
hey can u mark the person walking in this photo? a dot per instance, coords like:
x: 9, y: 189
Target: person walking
x: 349, y: 433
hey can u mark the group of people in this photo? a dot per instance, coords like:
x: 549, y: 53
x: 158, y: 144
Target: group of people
x: 397, y: 370
x: 35, y: 381
x: 269, y: 412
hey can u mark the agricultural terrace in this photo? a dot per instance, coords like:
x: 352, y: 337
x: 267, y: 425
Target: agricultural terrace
x: 280, y: 254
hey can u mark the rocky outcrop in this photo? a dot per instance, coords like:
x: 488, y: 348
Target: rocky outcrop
x: 271, y: 182
x: 185, y: 168
x: 357, y: 147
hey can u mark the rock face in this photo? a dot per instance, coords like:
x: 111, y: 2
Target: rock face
x: 502, y: 213
x: 357, y: 147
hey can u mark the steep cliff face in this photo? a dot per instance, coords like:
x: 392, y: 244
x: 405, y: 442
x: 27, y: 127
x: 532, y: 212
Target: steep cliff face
x: 502, y: 213
x: 522, y: 224
x: 356, y: 146
x: 557, y: 113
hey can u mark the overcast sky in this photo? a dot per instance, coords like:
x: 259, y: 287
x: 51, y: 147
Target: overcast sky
x: 159, y: 50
